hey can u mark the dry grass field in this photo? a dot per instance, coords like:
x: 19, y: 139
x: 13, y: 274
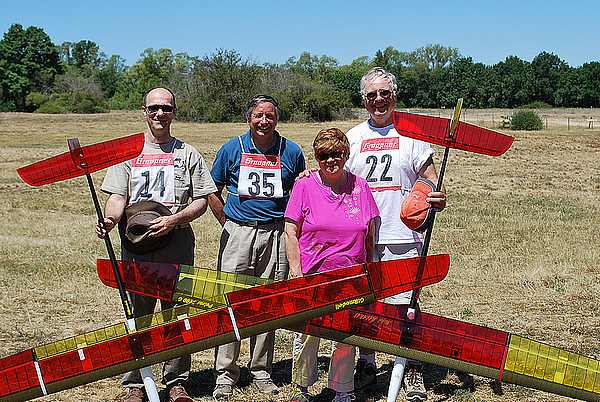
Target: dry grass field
x: 522, y: 231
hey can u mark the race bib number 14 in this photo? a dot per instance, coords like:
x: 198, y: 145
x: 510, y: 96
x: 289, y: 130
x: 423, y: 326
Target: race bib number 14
x: 153, y: 178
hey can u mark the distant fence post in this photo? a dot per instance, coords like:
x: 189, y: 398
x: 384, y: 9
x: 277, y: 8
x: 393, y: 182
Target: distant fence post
x: 568, y: 123
x: 546, y: 118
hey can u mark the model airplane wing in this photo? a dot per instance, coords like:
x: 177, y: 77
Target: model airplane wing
x: 463, y: 346
x: 467, y: 137
x: 97, y: 157
x: 115, y: 349
x: 187, y: 284
x: 429, y: 338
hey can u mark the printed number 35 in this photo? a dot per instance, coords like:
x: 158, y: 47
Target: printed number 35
x: 255, y: 189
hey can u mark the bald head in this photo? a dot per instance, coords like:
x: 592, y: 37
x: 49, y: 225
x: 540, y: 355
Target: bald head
x: 159, y: 111
x: 160, y: 92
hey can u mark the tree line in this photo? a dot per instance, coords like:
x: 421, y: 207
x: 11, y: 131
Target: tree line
x: 77, y: 77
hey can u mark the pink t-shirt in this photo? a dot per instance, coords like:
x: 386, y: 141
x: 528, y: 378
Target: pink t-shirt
x: 333, y: 226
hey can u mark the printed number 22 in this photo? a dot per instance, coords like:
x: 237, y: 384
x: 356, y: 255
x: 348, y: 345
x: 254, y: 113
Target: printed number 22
x: 372, y: 160
x: 269, y: 188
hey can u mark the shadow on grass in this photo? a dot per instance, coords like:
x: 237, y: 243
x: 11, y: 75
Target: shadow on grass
x: 435, y: 378
x: 202, y: 383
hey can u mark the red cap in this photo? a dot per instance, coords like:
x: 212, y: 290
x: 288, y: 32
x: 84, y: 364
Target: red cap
x: 415, y: 211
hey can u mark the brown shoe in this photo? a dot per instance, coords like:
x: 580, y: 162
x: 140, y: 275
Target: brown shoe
x: 178, y: 394
x: 131, y: 394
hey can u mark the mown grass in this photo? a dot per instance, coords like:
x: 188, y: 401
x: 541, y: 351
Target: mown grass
x: 521, y: 229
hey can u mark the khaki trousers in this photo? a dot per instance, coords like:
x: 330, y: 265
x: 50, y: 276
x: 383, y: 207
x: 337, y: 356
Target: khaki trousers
x: 304, y: 363
x: 387, y: 252
x: 258, y: 251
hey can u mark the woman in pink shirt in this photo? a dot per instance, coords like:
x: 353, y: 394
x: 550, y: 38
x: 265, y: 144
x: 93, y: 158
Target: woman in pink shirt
x: 329, y: 225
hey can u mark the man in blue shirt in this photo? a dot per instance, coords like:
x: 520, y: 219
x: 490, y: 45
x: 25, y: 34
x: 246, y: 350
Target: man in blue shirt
x: 258, y: 168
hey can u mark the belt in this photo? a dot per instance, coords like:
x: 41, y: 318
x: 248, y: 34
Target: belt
x: 256, y: 224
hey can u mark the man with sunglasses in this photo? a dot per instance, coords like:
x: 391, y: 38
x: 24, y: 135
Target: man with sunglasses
x: 391, y: 164
x: 174, y: 174
x: 258, y: 168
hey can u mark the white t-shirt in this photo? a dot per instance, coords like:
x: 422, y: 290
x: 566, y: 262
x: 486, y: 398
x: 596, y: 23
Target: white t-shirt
x: 390, y: 163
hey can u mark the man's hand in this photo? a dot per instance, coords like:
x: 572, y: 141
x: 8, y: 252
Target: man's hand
x: 437, y: 200
x: 161, y: 226
x: 102, y: 228
x: 305, y: 173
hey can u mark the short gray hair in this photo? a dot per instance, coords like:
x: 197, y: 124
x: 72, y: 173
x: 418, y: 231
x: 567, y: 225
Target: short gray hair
x: 377, y: 72
x: 256, y: 100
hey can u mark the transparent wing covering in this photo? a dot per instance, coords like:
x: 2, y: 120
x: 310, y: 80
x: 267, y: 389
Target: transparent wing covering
x: 179, y: 283
x: 467, y: 137
x: 97, y: 157
x: 99, y: 354
x: 539, y: 361
x: 438, y: 340
x: 206, y: 287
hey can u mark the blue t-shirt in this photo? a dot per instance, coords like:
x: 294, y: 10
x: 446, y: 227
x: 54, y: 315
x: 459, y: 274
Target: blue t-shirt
x: 226, y: 168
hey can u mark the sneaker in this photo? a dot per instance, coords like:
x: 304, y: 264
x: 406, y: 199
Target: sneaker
x: 301, y: 397
x: 265, y: 386
x: 178, y: 394
x: 413, y: 382
x: 222, y: 391
x: 344, y: 397
x: 365, y: 375
x: 131, y: 394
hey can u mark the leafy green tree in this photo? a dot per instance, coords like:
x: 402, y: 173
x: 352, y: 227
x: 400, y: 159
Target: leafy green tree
x: 464, y: 79
x: 589, y: 74
x: 87, y: 53
x: 547, y: 68
x: 153, y: 69
x: 514, y: 78
x: 569, y: 89
x: 228, y: 82
x: 346, y: 78
x: 313, y: 66
x: 110, y: 74
x: 28, y: 62
x: 392, y: 60
x: 82, y: 54
x: 435, y: 56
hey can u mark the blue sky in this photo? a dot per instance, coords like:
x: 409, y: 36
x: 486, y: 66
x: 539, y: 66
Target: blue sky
x: 272, y: 31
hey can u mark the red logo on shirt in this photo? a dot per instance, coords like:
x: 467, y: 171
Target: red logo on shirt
x: 260, y: 161
x: 380, y: 144
x: 149, y: 160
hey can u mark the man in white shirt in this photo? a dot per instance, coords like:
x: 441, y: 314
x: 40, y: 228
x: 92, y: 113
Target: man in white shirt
x: 391, y: 164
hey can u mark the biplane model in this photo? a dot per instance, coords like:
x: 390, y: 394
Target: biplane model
x: 340, y: 305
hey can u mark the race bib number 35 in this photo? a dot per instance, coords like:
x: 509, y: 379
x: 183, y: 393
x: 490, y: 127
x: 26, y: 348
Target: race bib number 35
x: 153, y: 178
x: 379, y: 158
x: 260, y: 176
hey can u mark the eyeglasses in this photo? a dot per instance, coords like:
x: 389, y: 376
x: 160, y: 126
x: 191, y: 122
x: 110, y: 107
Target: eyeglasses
x: 384, y: 93
x: 152, y: 109
x: 268, y: 116
x: 333, y: 155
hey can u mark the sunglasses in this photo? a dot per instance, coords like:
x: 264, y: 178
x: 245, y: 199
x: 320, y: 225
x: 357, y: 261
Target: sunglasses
x: 333, y: 155
x: 155, y: 108
x: 384, y: 93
